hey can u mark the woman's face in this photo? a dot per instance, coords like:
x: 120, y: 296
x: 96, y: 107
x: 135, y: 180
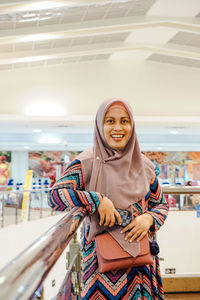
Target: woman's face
x: 117, y: 128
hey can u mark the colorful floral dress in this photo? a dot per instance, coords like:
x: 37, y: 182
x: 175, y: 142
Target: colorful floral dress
x: 133, y: 283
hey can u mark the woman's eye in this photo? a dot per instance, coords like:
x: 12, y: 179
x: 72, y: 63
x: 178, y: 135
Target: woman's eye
x: 125, y: 121
x: 109, y: 121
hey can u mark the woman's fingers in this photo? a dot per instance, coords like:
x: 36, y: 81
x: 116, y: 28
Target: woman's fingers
x: 73, y: 226
x: 118, y: 217
x: 102, y: 218
x: 131, y: 233
x: 112, y: 220
x: 136, y: 235
x: 141, y: 236
x: 107, y: 222
x: 128, y: 227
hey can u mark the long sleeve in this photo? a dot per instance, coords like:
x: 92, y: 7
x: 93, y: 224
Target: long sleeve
x: 68, y: 192
x: 157, y: 205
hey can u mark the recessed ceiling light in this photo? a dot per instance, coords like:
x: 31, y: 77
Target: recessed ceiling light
x: 31, y: 58
x: 28, y: 20
x: 36, y: 37
x: 45, y: 18
x: 49, y: 140
x: 45, y: 109
x: 29, y: 15
x: 174, y: 132
x: 36, y: 130
x: 44, y: 5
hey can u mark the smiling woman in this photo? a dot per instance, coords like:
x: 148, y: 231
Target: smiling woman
x: 114, y: 175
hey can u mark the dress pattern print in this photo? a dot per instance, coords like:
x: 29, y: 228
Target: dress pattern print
x: 126, y: 284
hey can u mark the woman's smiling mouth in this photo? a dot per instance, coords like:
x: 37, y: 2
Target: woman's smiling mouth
x: 117, y: 137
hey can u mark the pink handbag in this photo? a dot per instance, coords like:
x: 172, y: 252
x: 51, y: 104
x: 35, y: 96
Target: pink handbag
x: 111, y: 256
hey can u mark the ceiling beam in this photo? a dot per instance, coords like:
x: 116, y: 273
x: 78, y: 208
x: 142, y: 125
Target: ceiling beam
x: 95, y: 49
x: 102, y: 27
x: 14, y: 6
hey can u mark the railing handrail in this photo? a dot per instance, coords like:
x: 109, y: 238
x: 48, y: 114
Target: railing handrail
x: 173, y: 189
x: 22, y: 191
x: 20, y: 185
x: 23, y: 275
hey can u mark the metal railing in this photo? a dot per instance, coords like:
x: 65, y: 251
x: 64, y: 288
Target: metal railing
x: 178, y: 190
x: 11, y: 205
x: 183, y: 197
x: 23, y: 275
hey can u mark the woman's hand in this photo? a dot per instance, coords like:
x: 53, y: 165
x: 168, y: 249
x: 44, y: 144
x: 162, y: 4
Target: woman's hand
x: 108, y: 213
x: 138, y: 228
x: 74, y: 226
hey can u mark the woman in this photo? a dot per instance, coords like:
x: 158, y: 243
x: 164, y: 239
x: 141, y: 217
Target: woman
x: 114, y: 174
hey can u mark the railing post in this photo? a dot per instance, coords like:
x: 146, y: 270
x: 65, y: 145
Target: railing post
x: 16, y: 209
x: 41, y: 204
x: 74, y: 250
x: 29, y: 206
x: 2, y: 212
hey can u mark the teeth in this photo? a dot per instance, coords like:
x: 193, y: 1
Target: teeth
x: 117, y: 135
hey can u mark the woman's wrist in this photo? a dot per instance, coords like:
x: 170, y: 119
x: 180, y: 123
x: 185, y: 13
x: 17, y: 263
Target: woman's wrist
x: 150, y: 219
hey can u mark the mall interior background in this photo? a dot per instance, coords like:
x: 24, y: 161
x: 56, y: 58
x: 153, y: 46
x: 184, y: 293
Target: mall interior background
x: 59, y: 60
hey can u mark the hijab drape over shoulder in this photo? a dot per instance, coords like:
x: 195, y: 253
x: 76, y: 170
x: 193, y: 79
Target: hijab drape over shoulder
x: 122, y: 175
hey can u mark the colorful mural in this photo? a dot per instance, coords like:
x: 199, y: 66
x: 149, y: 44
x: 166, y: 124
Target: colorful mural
x: 46, y: 164
x: 5, y: 160
x: 177, y: 167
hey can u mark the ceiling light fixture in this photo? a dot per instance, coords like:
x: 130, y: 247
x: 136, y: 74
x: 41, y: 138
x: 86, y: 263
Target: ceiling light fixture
x: 31, y: 58
x: 28, y: 20
x: 36, y: 130
x: 26, y: 147
x: 45, y: 109
x: 174, y: 132
x: 36, y: 37
x: 44, y: 5
x: 29, y: 15
x: 45, y: 18
x: 49, y: 140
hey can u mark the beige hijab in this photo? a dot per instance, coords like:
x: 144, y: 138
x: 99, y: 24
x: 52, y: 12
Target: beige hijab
x: 123, y: 176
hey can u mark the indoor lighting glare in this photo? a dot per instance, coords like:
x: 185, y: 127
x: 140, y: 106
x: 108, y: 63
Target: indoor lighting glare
x: 44, y: 5
x: 28, y: 20
x: 29, y: 15
x: 37, y: 37
x: 174, y: 132
x: 26, y: 147
x: 36, y: 130
x: 45, y: 109
x: 2, y: 279
x: 31, y: 59
x: 45, y: 18
x: 49, y: 140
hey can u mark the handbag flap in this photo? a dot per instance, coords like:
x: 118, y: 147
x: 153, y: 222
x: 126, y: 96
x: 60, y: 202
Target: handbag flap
x: 109, y: 248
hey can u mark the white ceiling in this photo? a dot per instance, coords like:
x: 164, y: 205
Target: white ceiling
x: 73, y: 31
x: 42, y: 33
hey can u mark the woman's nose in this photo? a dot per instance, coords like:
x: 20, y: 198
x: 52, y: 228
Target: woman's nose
x: 117, y: 126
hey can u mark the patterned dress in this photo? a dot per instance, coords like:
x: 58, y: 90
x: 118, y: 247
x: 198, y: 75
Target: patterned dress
x: 133, y: 283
